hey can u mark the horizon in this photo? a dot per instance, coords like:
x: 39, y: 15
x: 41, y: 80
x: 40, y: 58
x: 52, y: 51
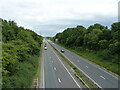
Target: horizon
x: 48, y: 18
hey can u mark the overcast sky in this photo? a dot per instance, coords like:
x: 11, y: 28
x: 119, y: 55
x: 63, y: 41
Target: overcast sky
x: 48, y: 17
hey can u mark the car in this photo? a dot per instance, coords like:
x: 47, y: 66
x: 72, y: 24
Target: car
x: 45, y: 48
x: 45, y: 45
x: 62, y: 51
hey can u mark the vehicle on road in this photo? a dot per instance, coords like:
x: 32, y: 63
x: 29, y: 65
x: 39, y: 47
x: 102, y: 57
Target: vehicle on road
x: 62, y: 51
x: 45, y: 45
x: 45, y: 48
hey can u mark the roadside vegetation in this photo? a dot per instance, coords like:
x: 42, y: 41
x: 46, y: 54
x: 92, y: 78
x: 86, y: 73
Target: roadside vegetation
x: 97, y: 43
x: 20, y: 55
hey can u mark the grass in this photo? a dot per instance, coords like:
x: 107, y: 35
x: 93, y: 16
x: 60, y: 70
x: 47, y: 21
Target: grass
x: 86, y: 80
x: 113, y: 67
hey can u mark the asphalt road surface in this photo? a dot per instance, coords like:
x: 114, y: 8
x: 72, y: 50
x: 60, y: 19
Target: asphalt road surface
x: 99, y: 76
x: 56, y: 74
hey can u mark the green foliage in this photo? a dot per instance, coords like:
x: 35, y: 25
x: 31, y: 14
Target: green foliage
x: 103, y: 44
x: 98, y: 38
x: 20, y: 52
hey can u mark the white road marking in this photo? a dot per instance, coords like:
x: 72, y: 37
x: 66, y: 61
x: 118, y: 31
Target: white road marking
x: 59, y: 80
x: 67, y: 70
x: 43, y: 74
x: 97, y: 66
x: 78, y: 61
x: 86, y: 66
x: 54, y: 68
x: 81, y: 71
x: 102, y: 77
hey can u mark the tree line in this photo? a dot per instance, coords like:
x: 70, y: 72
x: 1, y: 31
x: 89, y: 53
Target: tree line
x: 20, y: 52
x: 104, y: 42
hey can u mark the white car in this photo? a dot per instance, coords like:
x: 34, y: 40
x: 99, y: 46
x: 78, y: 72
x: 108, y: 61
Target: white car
x: 62, y: 51
x: 45, y: 48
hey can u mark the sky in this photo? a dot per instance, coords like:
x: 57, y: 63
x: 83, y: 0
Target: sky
x: 48, y: 17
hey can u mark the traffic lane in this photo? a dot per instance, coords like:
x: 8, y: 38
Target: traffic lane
x: 113, y: 82
x: 63, y: 76
x: 105, y: 81
x: 49, y: 73
x: 48, y: 84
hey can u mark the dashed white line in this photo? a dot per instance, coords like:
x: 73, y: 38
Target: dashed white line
x: 102, y: 77
x: 67, y: 70
x: 82, y: 72
x: 86, y: 66
x: 43, y: 74
x: 59, y: 80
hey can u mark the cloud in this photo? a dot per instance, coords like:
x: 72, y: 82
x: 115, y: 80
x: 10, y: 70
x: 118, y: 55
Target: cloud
x: 48, y: 17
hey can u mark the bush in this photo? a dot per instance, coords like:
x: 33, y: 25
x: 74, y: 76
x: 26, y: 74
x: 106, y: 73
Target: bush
x: 105, y: 54
x: 21, y: 48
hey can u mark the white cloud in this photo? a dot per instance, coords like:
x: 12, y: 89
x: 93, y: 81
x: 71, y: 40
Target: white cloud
x: 47, y: 15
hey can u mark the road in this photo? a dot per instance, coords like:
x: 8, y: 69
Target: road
x: 99, y: 76
x: 56, y: 74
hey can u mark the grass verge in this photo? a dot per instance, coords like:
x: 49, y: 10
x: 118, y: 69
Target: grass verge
x: 85, y: 80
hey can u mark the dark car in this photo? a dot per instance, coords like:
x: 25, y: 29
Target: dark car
x: 45, y: 45
x: 62, y: 51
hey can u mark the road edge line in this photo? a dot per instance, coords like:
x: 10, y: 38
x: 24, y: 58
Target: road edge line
x: 81, y: 70
x: 67, y: 70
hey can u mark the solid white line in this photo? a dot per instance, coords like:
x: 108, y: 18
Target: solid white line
x: 43, y: 74
x: 86, y: 66
x: 59, y: 80
x: 84, y: 73
x: 81, y: 70
x: 95, y: 65
x: 67, y: 70
x: 102, y: 77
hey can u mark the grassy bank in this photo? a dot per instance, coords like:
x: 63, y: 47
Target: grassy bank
x: 91, y: 56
